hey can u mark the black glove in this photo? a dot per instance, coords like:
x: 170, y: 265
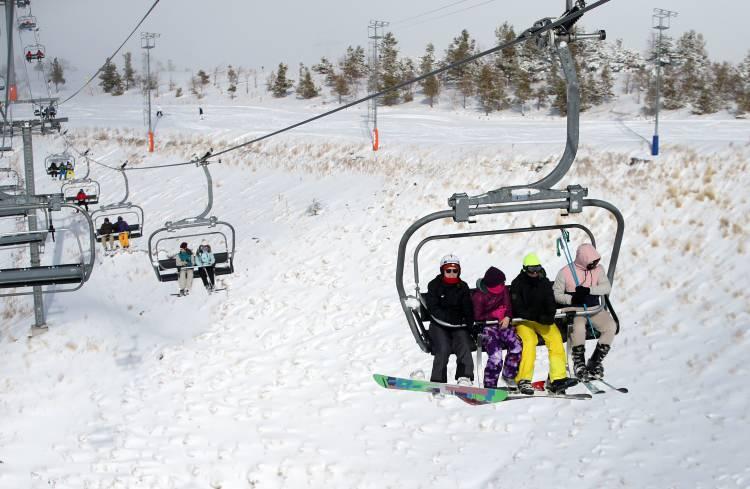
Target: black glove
x: 579, y: 296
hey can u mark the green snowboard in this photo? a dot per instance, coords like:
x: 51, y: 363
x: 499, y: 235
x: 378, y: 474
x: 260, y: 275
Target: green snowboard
x: 470, y: 395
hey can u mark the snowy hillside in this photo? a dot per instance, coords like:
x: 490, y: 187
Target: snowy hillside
x: 268, y: 384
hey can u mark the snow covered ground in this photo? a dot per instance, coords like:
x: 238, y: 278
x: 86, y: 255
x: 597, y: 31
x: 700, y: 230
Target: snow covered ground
x: 268, y: 384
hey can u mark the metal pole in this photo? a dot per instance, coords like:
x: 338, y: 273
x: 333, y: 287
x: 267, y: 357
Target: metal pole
x: 375, y: 37
x: 660, y: 21
x: 28, y: 158
x: 148, y: 42
x: 10, y: 79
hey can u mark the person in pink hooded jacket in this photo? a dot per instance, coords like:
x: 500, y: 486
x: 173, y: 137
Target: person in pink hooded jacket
x: 589, y: 283
x: 491, y: 301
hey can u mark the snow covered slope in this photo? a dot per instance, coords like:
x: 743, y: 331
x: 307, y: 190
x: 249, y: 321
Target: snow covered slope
x: 268, y: 384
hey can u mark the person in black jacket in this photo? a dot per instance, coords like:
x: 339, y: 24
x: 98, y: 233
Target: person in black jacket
x: 105, y: 231
x: 452, y: 317
x: 533, y: 300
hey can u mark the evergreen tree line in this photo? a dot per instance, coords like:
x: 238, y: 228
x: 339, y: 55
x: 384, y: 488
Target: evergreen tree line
x: 523, y: 76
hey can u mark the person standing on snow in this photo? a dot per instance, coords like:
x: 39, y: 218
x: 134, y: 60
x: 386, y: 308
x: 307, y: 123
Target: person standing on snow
x: 452, y: 317
x: 185, y: 262
x: 584, y: 290
x: 533, y: 300
x: 491, y: 301
x: 200, y: 112
x: 205, y: 261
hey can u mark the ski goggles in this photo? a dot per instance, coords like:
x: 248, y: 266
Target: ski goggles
x: 450, y: 270
x: 532, y: 268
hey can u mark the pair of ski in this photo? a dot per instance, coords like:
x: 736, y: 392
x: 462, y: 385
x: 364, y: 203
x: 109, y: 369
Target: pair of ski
x: 594, y: 389
x: 209, y: 293
x: 469, y: 394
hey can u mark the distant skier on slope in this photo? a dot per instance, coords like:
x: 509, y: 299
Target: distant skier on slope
x: 589, y: 283
x: 449, y: 301
x: 534, y: 301
x: 492, y: 302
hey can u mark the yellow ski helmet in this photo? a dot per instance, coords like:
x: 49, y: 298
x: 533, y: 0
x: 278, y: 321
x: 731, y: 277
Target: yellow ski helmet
x: 530, y: 260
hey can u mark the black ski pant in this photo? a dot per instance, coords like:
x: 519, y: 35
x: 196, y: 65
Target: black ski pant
x: 445, y: 341
x: 207, y: 275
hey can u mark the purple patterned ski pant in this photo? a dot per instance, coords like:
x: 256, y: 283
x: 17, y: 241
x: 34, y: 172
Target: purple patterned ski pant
x: 494, y: 341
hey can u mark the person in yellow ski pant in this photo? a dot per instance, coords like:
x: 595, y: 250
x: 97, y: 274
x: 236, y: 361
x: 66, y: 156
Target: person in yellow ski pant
x: 527, y: 331
x: 124, y: 239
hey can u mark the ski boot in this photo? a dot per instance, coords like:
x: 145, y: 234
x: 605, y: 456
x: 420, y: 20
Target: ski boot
x: 525, y: 387
x: 595, y: 367
x: 579, y: 363
x: 464, y: 381
x: 510, y: 383
x: 558, y: 386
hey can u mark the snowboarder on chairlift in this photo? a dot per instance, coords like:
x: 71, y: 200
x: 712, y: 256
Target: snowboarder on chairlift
x: 69, y: 173
x: 533, y: 300
x: 105, y: 231
x: 185, y: 262
x: 492, y: 303
x: 82, y: 199
x: 581, y: 291
x: 206, y: 263
x: 29, y: 56
x: 449, y: 302
x: 123, y: 232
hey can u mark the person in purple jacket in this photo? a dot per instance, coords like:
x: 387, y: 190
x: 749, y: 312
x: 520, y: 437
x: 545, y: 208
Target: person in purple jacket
x: 491, y: 301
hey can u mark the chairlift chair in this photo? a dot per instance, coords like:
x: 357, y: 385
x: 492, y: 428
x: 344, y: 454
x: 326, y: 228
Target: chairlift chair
x: 536, y: 197
x: 163, y: 243
x: 19, y: 238
x: 131, y: 213
x: 59, y: 158
x: 27, y: 22
x: 10, y: 181
x: 34, y: 52
x: 91, y: 187
x: 72, y: 273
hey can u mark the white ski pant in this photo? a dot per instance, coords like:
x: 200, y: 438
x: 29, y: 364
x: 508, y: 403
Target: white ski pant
x: 185, y: 278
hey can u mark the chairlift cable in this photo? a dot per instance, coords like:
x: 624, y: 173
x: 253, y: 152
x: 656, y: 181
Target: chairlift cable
x: 115, y: 53
x: 447, y: 14
x: 428, y: 12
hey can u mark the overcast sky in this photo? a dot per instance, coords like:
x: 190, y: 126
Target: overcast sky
x: 250, y: 33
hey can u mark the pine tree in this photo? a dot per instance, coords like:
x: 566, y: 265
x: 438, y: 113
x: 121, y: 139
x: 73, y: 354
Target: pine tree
x: 281, y: 84
x: 57, y: 74
x: 353, y: 66
x: 325, y: 68
x: 341, y: 85
x: 742, y: 92
x: 305, y: 86
x: 233, y: 78
x: 523, y: 89
x: 389, y: 69
x: 506, y: 60
x: 430, y: 85
x: 203, y: 80
x: 461, y: 47
x: 128, y: 73
x: 490, y: 89
x: 407, y: 71
x: 110, y: 79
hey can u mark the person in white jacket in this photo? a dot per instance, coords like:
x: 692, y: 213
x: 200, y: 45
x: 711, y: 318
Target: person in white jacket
x: 206, y: 263
x: 581, y: 291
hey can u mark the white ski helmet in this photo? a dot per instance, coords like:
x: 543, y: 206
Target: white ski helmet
x: 450, y: 260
